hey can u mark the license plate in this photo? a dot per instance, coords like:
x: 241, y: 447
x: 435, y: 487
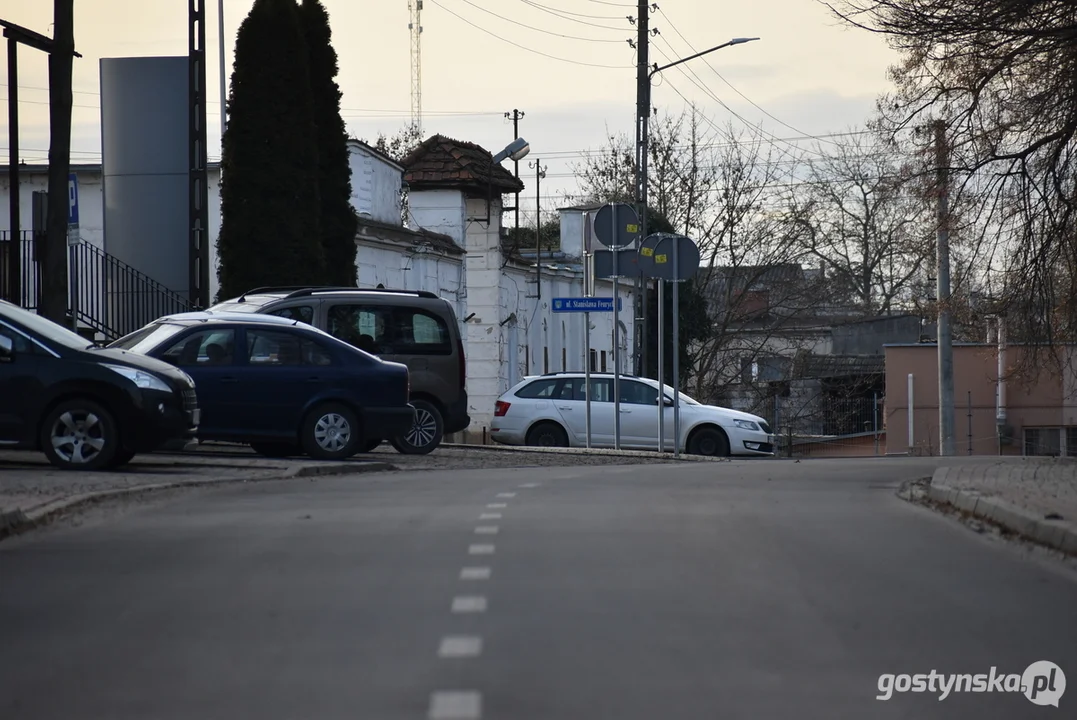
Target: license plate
x: 196, y: 416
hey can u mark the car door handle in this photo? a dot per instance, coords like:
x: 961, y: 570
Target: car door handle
x: 228, y: 379
x: 625, y: 411
x: 564, y: 407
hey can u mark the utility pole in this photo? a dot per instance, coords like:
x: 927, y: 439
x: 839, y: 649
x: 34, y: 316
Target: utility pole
x: 223, y: 82
x: 13, y: 271
x: 516, y: 115
x: 643, y: 114
x: 540, y: 172
x: 942, y: 294
x: 54, y: 291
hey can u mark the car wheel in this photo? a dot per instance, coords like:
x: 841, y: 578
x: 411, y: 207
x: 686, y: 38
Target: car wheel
x: 708, y: 441
x: 80, y: 435
x: 427, y: 429
x: 331, y: 432
x: 275, y: 449
x: 547, y: 434
x: 370, y: 445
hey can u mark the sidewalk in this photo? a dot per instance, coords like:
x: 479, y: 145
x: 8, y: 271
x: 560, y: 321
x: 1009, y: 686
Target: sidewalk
x: 32, y: 491
x: 1035, y: 498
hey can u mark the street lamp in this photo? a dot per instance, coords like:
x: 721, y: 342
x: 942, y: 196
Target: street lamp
x: 516, y: 151
x: 643, y: 140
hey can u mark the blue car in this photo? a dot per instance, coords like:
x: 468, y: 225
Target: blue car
x: 279, y: 385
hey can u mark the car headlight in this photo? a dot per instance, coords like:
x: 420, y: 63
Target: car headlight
x: 141, y: 378
x: 745, y: 425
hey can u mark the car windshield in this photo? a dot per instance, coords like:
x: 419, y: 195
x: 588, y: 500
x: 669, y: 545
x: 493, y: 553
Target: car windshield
x: 44, y: 328
x: 145, y: 339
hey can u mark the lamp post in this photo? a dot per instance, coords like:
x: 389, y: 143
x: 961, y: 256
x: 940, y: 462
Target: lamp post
x: 642, y: 149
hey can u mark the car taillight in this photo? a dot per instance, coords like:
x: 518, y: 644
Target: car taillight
x: 463, y: 363
x: 501, y: 408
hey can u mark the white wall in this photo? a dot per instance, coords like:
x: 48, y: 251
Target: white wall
x: 394, y: 267
x: 91, y: 210
x: 441, y: 211
x: 91, y: 204
x: 375, y: 185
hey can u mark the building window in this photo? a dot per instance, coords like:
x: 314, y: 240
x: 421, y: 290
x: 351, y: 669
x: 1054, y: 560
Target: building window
x: 603, y: 361
x: 1071, y: 442
x: 593, y: 359
x: 564, y: 359
x: 1043, y: 441
x: 545, y: 359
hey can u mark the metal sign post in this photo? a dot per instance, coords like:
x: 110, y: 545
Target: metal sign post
x: 645, y: 261
x: 676, y: 259
x: 616, y: 226
x: 616, y: 345
x: 676, y: 354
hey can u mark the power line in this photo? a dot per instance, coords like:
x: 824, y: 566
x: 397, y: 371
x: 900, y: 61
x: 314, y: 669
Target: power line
x: 731, y: 85
x: 557, y: 14
x: 532, y: 27
x: 698, y: 82
x: 602, y: 2
x: 524, y: 47
x: 540, y: 6
x: 345, y: 112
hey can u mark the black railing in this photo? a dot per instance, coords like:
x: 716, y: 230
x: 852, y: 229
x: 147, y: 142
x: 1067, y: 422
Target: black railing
x: 105, y: 294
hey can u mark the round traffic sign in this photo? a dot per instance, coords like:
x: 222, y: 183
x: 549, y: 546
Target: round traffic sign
x: 686, y: 259
x: 617, y: 225
x: 645, y: 254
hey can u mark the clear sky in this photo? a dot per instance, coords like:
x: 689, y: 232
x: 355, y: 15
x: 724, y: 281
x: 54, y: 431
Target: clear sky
x: 807, y: 71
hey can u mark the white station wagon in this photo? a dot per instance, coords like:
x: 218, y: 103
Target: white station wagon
x: 550, y: 410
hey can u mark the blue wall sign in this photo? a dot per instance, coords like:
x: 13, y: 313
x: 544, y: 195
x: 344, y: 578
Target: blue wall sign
x: 595, y: 304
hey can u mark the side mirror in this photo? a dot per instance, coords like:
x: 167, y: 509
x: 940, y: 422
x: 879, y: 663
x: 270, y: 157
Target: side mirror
x: 7, y: 349
x: 668, y: 402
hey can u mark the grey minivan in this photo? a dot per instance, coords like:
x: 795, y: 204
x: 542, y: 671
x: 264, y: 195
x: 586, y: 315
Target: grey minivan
x: 416, y: 328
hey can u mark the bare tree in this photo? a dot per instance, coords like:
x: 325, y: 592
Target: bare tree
x: 862, y: 215
x: 1000, y: 74
x: 723, y: 188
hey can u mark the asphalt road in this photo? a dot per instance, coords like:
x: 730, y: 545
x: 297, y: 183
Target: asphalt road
x: 732, y: 590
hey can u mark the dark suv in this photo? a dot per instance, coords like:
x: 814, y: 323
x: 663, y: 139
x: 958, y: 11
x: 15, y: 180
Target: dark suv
x: 86, y: 408
x: 416, y: 328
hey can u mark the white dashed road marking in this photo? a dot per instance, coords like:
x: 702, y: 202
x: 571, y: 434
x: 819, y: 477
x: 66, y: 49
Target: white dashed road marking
x: 480, y: 550
x: 497, y: 506
x: 475, y: 573
x: 506, y: 495
x: 469, y: 604
x: 486, y: 530
x: 490, y: 516
x: 460, y: 646
x: 456, y: 705
x: 530, y: 485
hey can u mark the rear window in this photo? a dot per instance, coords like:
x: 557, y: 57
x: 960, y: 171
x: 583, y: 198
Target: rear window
x: 538, y: 389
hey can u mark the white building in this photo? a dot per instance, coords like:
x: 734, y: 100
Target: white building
x: 452, y: 246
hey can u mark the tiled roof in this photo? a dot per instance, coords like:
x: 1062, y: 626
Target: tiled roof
x: 441, y: 162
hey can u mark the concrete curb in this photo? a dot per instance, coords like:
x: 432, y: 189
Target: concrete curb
x: 17, y: 521
x: 584, y: 451
x: 1052, y: 533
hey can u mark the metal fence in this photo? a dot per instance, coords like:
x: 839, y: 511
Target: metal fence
x: 105, y: 295
x: 820, y: 424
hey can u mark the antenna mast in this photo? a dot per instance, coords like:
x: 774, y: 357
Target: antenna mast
x: 415, y: 8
